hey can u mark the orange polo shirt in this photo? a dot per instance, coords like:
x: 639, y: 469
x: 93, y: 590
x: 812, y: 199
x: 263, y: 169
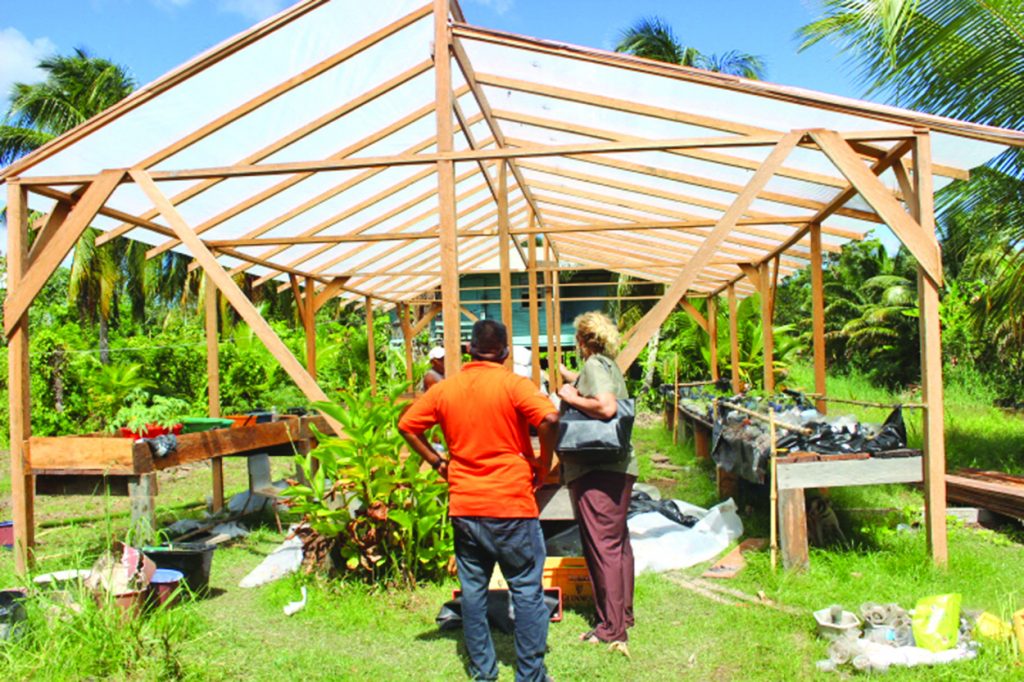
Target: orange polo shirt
x: 485, y: 411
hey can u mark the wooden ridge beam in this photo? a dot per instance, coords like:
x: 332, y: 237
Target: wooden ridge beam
x: 469, y: 74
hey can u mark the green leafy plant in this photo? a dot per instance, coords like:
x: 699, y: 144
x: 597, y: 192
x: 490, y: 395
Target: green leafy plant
x: 141, y: 410
x: 369, y: 511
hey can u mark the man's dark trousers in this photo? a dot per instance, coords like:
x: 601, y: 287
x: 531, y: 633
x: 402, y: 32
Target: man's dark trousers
x: 517, y: 546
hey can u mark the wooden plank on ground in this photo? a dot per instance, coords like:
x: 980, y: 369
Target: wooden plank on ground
x: 733, y: 562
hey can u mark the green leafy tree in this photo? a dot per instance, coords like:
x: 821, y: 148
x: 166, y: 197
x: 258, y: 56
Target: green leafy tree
x: 652, y: 38
x: 76, y: 88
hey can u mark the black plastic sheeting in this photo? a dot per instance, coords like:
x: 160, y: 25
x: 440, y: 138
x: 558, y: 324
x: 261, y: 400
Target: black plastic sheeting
x: 641, y: 503
x: 827, y: 440
x: 742, y: 447
x: 500, y: 613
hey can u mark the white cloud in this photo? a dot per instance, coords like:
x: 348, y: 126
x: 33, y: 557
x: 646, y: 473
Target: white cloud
x: 498, y: 6
x: 20, y: 61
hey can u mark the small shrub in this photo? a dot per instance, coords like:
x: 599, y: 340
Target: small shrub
x: 368, y: 513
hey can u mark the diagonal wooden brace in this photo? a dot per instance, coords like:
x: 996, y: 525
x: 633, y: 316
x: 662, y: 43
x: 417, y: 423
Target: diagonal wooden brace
x: 654, y: 318
x: 61, y: 240
x: 235, y: 296
x: 923, y: 246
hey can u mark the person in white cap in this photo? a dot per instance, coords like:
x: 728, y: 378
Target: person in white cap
x: 436, y: 371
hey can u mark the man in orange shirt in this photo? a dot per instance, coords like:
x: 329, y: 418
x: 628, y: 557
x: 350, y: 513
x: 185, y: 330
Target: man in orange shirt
x: 485, y: 412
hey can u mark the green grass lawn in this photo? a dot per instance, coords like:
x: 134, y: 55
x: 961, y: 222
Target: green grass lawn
x: 352, y: 633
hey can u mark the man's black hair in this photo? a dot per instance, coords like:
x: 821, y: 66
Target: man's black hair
x: 489, y: 341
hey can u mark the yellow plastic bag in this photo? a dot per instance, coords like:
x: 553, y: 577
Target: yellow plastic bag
x: 990, y: 626
x: 936, y: 622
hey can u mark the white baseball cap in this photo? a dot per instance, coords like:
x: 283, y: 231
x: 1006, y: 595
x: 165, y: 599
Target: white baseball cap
x: 436, y: 353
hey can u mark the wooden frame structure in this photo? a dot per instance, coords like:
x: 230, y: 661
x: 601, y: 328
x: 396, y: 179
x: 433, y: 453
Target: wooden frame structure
x: 409, y: 147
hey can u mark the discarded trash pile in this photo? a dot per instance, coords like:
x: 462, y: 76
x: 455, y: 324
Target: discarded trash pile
x: 741, y: 443
x: 882, y: 636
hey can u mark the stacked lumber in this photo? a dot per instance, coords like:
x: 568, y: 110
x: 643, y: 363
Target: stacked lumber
x: 992, y: 490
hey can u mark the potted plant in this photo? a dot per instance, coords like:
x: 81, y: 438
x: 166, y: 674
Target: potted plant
x: 146, y: 416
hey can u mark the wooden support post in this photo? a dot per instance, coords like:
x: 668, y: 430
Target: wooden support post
x: 793, y: 529
x: 531, y: 283
x: 446, y: 191
x: 549, y: 319
x: 557, y: 295
x: 504, y: 241
x: 142, y: 490
x: 235, y: 296
x: 309, y: 321
x: 371, y: 345
x: 933, y: 418
x: 701, y: 441
x: 675, y: 398
x: 713, y: 336
x: 213, y: 384
x: 818, y: 316
x: 734, y: 343
x: 403, y: 316
x: 767, y: 328
x: 19, y: 396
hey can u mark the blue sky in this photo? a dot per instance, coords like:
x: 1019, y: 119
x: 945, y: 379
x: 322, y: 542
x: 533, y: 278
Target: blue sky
x: 150, y: 37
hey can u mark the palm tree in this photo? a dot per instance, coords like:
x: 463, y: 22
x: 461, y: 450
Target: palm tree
x: 76, y: 88
x: 966, y: 60
x: 652, y: 38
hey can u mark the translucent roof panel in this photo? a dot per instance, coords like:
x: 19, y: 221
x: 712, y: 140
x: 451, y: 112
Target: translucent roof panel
x: 329, y: 83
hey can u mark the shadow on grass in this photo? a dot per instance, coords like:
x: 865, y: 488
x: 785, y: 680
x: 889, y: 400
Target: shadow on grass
x: 504, y: 644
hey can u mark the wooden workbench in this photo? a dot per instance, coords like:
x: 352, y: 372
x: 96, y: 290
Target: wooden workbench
x: 800, y: 471
x: 89, y: 464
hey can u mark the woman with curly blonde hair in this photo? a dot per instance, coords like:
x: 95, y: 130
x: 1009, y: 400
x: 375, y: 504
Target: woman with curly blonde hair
x: 600, y: 492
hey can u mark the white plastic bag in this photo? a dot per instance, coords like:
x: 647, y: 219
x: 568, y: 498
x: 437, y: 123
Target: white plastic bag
x: 661, y: 545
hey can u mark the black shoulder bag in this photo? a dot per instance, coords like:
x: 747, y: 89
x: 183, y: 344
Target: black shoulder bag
x: 585, y: 440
